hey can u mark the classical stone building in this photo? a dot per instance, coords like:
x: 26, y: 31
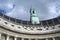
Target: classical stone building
x: 14, y: 29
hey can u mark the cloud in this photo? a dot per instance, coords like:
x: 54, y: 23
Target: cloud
x: 46, y: 9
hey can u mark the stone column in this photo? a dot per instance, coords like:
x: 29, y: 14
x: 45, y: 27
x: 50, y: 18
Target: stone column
x: 0, y: 36
x: 7, y: 37
x: 29, y: 38
x: 53, y: 38
x: 22, y: 38
x: 15, y: 38
x: 46, y: 38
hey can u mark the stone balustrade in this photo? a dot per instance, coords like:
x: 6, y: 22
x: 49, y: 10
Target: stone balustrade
x: 28, y: 29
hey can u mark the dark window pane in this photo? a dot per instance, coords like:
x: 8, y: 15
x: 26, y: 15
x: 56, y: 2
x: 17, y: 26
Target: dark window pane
x: 57, y: 38
x: 26, y: 39
x: 18, y: 38
x: 3, y: 37
x: 50, y: 39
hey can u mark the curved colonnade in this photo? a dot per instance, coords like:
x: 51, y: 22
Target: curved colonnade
x: 10, y: 29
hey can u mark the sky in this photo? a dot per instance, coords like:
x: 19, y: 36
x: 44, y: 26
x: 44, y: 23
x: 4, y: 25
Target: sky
x: 19, y: 9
